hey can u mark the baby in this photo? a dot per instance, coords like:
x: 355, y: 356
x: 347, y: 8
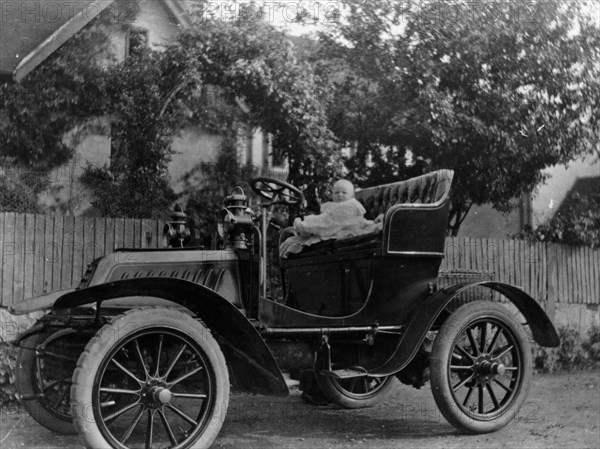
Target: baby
x: 340, y: 218
x: 343, y: 217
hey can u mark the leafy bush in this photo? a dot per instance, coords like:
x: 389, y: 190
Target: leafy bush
x: 577, y: 224
x: 592, y: 344
x: 574, y: 352
x: 8, y: 356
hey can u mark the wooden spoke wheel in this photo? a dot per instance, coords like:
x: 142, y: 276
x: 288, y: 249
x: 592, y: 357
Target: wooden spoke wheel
x: 480, y: 367
x: 357, y: 392
x: 153, y: 378
x: 45, y: 364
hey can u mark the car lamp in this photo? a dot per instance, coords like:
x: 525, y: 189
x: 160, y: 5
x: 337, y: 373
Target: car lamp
x: 235, y: 220
x: 176, y: 231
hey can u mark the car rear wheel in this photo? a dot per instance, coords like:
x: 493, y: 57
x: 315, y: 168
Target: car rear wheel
x: 480, y: 367
x: 45, y: 364
x: 357, y: 392
x: 154, y: 377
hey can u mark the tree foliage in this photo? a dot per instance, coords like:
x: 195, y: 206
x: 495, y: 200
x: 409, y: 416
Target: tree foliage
x: 36, y: 114
x: 153, y: 94
x: 209, y: 183
x: 156, y: 93
x: 136, y: 183
x: 495, y: 91
x: 254, y: 62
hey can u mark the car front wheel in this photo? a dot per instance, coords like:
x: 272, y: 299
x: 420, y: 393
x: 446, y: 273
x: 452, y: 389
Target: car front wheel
x: 154, y: 377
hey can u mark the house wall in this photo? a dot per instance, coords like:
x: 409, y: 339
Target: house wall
x: 192, y: 146
x: 549, y: 196
x: 67, y: 194
x: 486, y: 222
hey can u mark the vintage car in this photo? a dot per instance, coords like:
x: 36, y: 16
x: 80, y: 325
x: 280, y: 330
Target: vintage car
x: 143, y: 352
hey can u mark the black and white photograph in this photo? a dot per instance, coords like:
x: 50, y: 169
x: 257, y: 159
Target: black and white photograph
x: 299, y: 224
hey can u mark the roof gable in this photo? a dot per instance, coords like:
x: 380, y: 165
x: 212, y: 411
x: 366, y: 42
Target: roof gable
x: 31, y: 30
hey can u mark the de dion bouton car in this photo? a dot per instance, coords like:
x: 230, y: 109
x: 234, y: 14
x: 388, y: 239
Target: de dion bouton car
x: 143, y: 352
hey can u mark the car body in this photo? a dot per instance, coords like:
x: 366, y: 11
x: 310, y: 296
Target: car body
x: 354, y: 314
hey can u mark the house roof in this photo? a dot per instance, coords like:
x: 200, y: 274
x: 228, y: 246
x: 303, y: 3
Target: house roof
x: 31, y: 30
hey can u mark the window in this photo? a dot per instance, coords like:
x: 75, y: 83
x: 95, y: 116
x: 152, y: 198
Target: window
x: 137, y: 41
x: 277, y: 158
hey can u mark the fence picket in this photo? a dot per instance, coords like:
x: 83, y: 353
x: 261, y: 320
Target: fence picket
x: 589, y: 265
x: 99, y: 237
x: 129, y: 233
x: 572, y: 293
x: 119, y: 233
x: 3, y: 302
x: 68, y: 241
x: 596, y: 276
x: 45, y: 249
x: 582, y: 274
x: 544, y: 270
x: 29, y: 255
x: 57, y: 248
x: 8, y: 258
x: 576, y: 273
x: 38, y: 259
x: 19, y: 262
x: 109, y: 237
x: 159, y: 232
x: 552, y: 288
x: 78, y: 251
x: 560, y: 260
x: 147, y: 233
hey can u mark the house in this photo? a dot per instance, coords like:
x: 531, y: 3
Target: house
x: 581, y: 175
x: 33, y: 29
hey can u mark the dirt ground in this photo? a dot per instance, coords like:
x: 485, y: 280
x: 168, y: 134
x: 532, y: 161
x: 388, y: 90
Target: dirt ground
x: 561, y: 411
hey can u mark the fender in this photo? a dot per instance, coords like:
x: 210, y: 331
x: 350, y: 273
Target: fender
x: 251, y: 364
x: 38, y: 303
x: 37, y: 328
x: 426, y: 312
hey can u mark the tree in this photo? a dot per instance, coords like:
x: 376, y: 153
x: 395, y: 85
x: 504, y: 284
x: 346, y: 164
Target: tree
x: 156, y: 93
x: 153, y: 94
x: 136, y: 183
x: 494, y: 91
x: 35, y: 115
x: 252, y: 61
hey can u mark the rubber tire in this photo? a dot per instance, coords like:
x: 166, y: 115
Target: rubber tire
x: 442, y: 345
x: 337, y: 394
x: 121, y: 328
x: 26, y: 384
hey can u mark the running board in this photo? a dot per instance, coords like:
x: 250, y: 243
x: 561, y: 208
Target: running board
x: 341, y: 374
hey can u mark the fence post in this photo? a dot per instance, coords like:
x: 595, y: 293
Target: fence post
x: 551, y: 279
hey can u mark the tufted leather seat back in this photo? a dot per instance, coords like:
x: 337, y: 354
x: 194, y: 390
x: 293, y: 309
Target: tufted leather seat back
x: 430, y: 188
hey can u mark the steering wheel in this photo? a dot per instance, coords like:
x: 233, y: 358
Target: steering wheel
x: 278, y: 192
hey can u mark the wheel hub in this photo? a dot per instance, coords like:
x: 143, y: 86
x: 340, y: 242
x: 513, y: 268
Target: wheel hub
x: 485, y: 368
x: 155, y: 394
x: 492, y: 368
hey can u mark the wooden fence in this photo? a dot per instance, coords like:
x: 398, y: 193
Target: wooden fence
x: 42, y: 253
x: 550, y: 272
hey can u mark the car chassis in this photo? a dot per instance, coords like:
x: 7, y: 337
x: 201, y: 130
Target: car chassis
x: 142, y: 353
